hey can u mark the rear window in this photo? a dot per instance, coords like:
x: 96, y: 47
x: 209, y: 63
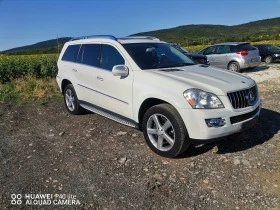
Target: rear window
x: 245, y: 47
x: 71, y: 53
x: 91, y: 54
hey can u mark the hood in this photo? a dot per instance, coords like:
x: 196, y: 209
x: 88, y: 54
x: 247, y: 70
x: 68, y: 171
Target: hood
x: 196, y: 55
x: 207, y: 78
x: 275, y: 51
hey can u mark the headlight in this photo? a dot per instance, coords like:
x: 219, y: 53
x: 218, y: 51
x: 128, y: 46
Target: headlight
x: 200, y: 99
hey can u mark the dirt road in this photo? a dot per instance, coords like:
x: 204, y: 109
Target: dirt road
x: 45, y: 150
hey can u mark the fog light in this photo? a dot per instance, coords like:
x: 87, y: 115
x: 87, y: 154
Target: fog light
x: 215, y: 122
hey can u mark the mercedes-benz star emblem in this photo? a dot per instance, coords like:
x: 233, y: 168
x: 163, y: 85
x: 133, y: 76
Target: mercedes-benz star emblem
x: 250, y: 98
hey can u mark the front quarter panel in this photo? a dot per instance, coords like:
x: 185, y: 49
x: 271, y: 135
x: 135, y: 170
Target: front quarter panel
x: 150, y: 86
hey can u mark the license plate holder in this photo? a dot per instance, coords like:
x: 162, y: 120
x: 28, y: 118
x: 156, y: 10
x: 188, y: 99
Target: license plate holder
x: 249, y: 124
x: 254, y: 60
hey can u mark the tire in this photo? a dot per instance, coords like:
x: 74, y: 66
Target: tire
x: 234, y: 66
x: 71, y: 100
x: 268, y: 59
x: 167, y: 135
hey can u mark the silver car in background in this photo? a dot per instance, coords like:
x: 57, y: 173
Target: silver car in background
x: 233, y: 56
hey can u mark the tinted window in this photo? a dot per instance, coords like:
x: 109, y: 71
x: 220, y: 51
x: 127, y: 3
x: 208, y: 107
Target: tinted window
x: 245, y: 47
x: 110, y: 57
x: 156, y: 55
x: 90, y: 54
x: 209, y: 50
x: 71, y: 53
x: 223, y: 49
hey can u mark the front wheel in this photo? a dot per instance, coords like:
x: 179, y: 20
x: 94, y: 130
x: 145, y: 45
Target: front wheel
x: 165, y: 131
x: 268, y: 59
x: 234, y: 66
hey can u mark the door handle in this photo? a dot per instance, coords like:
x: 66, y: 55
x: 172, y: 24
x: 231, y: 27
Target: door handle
x: 75, y: 70
x: 99, y: 78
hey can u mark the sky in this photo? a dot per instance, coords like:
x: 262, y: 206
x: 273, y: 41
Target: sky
x: 24, y: 22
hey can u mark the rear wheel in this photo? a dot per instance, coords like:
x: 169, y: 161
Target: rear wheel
x: 71, y: 100
x: 268, y: 59
x: 165, y: 131
x: 234, y: 66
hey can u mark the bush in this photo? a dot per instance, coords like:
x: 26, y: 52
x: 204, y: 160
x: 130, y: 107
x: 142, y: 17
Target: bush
x: 18, y: 66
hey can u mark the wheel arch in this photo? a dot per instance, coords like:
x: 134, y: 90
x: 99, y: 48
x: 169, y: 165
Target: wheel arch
x: 231, y: 61
x: 148, y: 103
x: 64, y: 83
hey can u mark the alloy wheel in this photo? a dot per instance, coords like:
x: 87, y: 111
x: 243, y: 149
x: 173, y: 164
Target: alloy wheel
x: 160, y: 132
x: 70, y: 100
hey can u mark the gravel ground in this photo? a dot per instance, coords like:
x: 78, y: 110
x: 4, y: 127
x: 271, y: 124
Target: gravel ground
x: 44, y: 149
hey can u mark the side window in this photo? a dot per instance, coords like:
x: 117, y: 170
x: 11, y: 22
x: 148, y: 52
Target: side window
x: 110, y: 57
x: 223, y: 49
x: 233, y: 49
x: 71, y: 53
x: 209, y: 50
x: 90, y: 54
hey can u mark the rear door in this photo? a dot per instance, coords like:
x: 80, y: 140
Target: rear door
x: 68, y: 66
x: 221, y: 56
x: 87, y: 63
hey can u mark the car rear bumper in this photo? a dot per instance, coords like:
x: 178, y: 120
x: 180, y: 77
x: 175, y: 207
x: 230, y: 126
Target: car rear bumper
x: 235, y: 121
x: 250, y: 62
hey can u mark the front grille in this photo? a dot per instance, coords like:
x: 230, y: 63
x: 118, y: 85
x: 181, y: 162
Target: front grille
x: 243, y: 98
x: 243, y: 117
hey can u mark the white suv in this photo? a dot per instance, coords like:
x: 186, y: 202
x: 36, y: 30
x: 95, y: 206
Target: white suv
x: 145, y: 83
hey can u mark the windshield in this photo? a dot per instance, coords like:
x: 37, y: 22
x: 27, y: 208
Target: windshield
x: 272, y: 47
x: 156, y: 55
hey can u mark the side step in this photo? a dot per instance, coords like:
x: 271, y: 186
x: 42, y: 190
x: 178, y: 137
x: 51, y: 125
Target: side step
x: 108, y: 114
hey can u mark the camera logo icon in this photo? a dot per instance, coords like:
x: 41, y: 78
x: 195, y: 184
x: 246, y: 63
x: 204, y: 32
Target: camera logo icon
x: 16, y: 199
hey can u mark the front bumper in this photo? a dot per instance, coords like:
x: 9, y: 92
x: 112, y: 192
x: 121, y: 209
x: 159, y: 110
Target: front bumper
x: 276, y: 58
x: 236, y: 121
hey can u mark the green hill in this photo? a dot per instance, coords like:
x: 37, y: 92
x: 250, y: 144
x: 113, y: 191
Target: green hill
x: 203, y: 34
x: 49, y: 46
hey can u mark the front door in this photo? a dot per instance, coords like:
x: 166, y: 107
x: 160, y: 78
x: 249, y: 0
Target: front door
x: 115, y: 92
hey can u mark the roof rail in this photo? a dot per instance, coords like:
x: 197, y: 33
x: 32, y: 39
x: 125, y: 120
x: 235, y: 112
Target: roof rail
x: 141, y: 37
x: 95, y: 36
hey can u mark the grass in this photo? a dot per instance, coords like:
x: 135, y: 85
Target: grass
x: 29, y: 89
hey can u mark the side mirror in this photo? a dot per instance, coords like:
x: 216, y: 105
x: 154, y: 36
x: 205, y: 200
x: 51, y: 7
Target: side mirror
x: 120, y: 70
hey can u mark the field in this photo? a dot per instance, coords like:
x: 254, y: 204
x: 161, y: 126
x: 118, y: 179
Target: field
x: 25, y: 78
x: 18, y: 66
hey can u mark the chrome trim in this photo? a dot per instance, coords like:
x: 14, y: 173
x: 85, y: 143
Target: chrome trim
x: 111, y: 115
x: 95, y: 37
x: 139, y: 37
x: 239, y: 99
x: 103, y: 94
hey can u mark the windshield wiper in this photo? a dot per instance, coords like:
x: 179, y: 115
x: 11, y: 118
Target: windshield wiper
x: 184, y: 64
x: 171, y: 65
x: 179, y: 64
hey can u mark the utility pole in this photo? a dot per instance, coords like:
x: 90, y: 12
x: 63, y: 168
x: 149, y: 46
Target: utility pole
x: 57, y: 43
